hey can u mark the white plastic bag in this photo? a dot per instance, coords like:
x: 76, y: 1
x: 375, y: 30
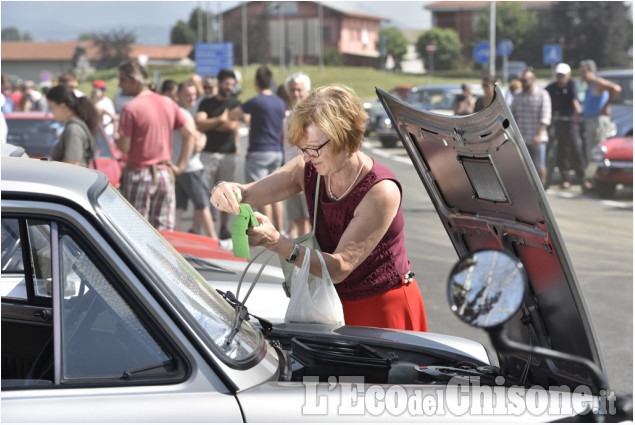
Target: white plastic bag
x: 313, y: 300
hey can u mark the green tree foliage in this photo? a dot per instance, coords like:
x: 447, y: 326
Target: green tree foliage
x: 257, y: 39
x: 512, y: 23
x: 519, y: 26
x: 182, y: 33
x: 448, y: 47
x: 114, y: 47
x: 602, y: 31
x: 396, y: 44
x: 14, y: 34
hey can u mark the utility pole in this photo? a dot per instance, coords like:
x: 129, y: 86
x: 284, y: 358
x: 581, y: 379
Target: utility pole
x: 320, y: 39
x: 492, y: 38
x: 244, y: 13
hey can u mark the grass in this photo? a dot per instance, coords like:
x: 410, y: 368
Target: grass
x: 362, y: 80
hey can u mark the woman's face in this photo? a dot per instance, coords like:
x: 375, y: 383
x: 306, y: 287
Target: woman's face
x: 327, y: 161
x: 60, y: 111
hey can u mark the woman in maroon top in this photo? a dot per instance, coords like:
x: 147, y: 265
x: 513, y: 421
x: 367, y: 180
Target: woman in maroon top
x: 360, y: 226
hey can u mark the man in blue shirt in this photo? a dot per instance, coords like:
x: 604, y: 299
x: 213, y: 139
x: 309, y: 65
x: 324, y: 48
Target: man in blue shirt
x: 264, y: 155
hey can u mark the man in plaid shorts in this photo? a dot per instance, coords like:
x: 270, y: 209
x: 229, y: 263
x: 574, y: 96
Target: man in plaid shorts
x: 145, y: 129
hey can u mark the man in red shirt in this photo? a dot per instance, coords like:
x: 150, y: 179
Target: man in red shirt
x: 145, y: 129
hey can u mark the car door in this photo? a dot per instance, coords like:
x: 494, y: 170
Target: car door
x: 79, y: 343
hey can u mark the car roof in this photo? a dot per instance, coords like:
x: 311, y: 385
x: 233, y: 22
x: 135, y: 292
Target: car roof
x: 616, y: 73
x: 12, y: 150
x: 43, y: 179
x: 28, y: 116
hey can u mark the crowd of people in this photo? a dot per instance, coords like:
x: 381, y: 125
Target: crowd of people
x: 554, y: 114
x: 181, y: 142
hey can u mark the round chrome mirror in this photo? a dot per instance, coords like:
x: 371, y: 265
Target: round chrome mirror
x: 486, y: 288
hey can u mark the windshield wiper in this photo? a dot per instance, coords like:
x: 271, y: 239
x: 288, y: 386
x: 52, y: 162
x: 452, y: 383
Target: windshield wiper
x: 241, y: 315
x: 161, y: 365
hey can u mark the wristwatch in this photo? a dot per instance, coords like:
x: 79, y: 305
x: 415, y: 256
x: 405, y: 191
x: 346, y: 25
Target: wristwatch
x: 294, y: 254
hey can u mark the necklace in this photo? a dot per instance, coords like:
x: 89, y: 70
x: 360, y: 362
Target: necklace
x: 359, y: 173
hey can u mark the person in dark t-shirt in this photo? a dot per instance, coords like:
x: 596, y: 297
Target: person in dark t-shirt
x: 219, y: 154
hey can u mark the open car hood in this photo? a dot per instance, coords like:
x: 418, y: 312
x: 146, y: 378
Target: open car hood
x: 480, y: 177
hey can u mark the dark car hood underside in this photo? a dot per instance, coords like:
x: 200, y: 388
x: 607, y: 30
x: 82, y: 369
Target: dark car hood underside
x: 478, y: 173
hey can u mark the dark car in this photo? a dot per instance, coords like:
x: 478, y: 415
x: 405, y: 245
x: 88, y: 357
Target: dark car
x: 38, y: 132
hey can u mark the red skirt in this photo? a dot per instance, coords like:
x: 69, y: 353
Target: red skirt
x: 397, y: 308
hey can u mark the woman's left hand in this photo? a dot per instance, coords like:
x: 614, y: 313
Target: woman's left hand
x: 264, y: 234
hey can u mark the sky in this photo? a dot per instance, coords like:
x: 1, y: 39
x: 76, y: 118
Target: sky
x: 151, y: 21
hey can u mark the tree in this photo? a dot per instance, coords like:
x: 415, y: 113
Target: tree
x: 182, y: 33
x: 14, y: 34
x: 257, y: 38
x: 396, y: 44
x: 448, y: 47
x: 517, y: 25
x: 601, y: 31
x: 114, y: 46
x: 188, y: 32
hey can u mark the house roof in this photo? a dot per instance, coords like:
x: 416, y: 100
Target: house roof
x: 30, y: 51
x: 447, y: 6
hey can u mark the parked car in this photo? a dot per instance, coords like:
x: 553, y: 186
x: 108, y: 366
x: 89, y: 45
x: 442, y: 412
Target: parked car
x: 515, y: 69
x: 611, y: 164
x: 434, y: 98
x: 103, y: 320
x: 38, y: 132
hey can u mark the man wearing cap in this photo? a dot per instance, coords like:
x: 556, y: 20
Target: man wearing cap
x: 565, y: 118
x: 105, y: 108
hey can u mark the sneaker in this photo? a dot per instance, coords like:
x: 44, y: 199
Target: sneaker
x: 226, y: 244
x: 225, y: 233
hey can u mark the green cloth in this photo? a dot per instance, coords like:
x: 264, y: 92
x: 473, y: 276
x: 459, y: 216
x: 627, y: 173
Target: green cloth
x: 242, y: 222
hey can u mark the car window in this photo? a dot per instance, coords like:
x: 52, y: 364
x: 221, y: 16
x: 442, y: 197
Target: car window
x: 205, y: 308
x: 13, y: 270
x: 101, y: 336
x: 38, y: 135
x: 626, y: 95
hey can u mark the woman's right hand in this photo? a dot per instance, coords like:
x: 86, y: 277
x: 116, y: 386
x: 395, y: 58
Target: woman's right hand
x: 225, y: 197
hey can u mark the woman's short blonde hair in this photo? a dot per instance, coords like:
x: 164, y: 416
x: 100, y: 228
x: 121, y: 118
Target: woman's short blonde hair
x: 334, y: 109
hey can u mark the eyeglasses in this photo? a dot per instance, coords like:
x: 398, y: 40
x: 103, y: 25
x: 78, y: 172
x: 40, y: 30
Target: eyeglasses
x: 313, y: 152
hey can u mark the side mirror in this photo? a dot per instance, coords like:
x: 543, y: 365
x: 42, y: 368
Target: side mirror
x: 486, y: 288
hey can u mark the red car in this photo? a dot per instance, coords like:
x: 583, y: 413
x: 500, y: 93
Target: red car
x: 612, y: 164
x: 37, y: 132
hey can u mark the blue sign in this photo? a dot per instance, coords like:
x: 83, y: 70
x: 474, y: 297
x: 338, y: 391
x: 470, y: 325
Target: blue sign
x: 505, y: 47
x: 481, y: 53
x: 211, y: 58
x: 551, y: 53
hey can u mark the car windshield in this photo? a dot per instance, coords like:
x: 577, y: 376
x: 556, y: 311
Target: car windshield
x: 428, y: 99
x: 38, y: 135
x: 626, y: 83
x: 213, y: 315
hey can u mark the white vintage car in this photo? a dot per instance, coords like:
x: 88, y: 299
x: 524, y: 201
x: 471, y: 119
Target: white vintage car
x: 104, y: 321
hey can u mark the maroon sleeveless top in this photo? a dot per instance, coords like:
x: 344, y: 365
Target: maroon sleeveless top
x: 387, y: 263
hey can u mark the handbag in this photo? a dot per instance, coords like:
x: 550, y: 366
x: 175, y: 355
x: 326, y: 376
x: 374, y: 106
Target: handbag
x: 313, y: 300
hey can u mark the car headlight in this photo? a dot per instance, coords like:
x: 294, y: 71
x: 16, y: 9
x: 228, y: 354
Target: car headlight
x: 387, y: 123
x: 598, y: 153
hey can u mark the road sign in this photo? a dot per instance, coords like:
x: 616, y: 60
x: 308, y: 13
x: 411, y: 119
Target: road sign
x: 481, y: 53
x: 431, y: 47
x: 551, y: 53
x: 505, y: 47
x: 211, y: 58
